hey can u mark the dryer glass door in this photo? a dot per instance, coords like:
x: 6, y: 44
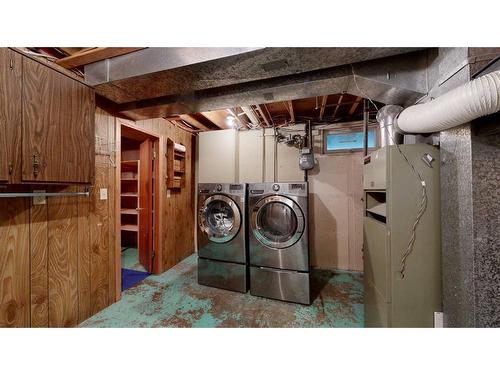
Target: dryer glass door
x: 220, y: 218
x: 277, y: 222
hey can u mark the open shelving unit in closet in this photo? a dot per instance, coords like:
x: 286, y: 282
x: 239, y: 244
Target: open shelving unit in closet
x: 129, y: 180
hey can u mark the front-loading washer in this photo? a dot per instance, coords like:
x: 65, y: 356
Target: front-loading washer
x: 222, y: 240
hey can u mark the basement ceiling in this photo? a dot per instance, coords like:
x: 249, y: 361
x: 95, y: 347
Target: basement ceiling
x: 142, y: 83
x: 334, y: 108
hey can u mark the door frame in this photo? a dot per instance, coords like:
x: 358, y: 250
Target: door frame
x: 158, y: 201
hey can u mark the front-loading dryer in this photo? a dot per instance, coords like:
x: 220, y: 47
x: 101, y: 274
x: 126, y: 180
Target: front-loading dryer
x: 279, y: 241
x: 222, y: 248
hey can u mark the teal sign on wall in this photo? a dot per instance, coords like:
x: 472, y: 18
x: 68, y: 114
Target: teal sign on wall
x: 349, y: 141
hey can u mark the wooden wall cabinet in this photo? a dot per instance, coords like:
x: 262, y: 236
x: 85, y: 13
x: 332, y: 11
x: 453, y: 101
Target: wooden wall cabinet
x: 46, y: 124
x: 10, y: 115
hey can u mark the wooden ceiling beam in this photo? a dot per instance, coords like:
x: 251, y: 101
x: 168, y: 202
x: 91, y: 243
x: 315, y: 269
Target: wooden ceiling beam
x: 216, y: 117
x: 183, y: 127
x: 263, y: 115
x: 355, y: 105
x: 209, y: 120
x: 71, y: 50
x: 338, y: 105
x: 323, y: 107
x: 91, y: 55
x: 290, y: 110
x: 194, y: 122
x: 269, y: 113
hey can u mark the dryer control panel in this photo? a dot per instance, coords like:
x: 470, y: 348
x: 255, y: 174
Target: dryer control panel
x: 298, y: 188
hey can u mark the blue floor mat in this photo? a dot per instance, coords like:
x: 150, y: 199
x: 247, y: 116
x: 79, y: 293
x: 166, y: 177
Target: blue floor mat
x: 131, y: 278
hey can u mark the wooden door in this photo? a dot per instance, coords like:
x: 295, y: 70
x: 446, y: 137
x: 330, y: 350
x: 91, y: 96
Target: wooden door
x: 145, y: 234
x: 58, y: 126
x: 10, y: 115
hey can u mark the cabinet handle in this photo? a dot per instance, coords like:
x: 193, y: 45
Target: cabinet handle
x: 11, y: 168
x: 11, y: 64
x: 36, y: 165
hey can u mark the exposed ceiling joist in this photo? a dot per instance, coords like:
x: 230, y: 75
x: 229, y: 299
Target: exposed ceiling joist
x: 91, y: 55
x: 338, y: 105
x: 206, y: 120
x: 290, y: 110
x: 71, y: 50
x: 236, y: 118
x: 182, y: 126
x: 355, y: 105
x: 323, y: 107
x: 194, y: 122
x: 263, y: 114
x: 218, y: 118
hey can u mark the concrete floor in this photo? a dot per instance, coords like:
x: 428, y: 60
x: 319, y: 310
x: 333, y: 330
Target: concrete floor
x: 174, y: 299
x: 130, y: 259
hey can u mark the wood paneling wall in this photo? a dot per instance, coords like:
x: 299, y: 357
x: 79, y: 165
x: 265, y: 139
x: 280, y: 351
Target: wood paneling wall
x: 177, y: 218
x: 72, y: 246
x: 14, y: 263
x: 57, y: 260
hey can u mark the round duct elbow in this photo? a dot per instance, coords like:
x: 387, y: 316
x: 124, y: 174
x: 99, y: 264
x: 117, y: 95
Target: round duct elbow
x: 387, y: 119
x: 461, y: 105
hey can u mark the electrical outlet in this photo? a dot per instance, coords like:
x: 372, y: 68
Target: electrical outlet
x: 38, y: 201
x: 103, y: 194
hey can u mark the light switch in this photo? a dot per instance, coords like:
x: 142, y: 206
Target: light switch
x: 37, y: 201
x: 103, y: 194
x: 168, y: 193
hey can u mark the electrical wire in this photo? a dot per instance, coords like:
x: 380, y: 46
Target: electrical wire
x: 423, y: 202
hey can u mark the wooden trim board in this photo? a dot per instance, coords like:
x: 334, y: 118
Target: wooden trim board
x: 91, y: 55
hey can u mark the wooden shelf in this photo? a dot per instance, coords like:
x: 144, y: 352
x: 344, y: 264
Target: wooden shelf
x: 129, y: 179
x: 129, y: 195
x: 176, y: 166
x: 130, y: 228
x: 129, y: 211
x: 130, y: 161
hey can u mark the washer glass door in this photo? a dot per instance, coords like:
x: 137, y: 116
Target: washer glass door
x: 277, y: 222
x: 219, y: 218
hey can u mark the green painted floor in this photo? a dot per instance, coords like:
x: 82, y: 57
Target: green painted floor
x: 130, y: 259
x: 174, y: 299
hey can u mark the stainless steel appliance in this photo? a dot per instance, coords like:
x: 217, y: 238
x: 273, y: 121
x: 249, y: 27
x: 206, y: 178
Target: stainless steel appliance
x: 278, y: 241
x: 222, y: 251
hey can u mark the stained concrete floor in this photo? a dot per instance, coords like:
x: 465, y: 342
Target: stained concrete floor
x: 174, y: 299
x: 130, y: 259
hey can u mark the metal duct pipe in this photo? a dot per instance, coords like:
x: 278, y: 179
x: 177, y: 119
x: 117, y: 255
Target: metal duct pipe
x: 463, y: 104
x: 386, y: 117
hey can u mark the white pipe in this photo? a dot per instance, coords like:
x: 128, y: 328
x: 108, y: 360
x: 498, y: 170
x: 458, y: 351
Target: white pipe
x: 251, y: 116
x: 474, y: 99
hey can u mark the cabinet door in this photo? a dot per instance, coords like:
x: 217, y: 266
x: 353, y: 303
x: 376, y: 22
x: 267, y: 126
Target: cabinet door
x: 10, y: 115
x: 58, y: 126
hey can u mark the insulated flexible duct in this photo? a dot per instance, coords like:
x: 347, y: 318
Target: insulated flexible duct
x: 476, y: 98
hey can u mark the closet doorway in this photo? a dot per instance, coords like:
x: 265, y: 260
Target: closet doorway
x: 138, y: 198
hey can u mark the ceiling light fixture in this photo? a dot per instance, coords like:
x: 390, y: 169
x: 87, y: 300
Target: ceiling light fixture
x: 230, y: 121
